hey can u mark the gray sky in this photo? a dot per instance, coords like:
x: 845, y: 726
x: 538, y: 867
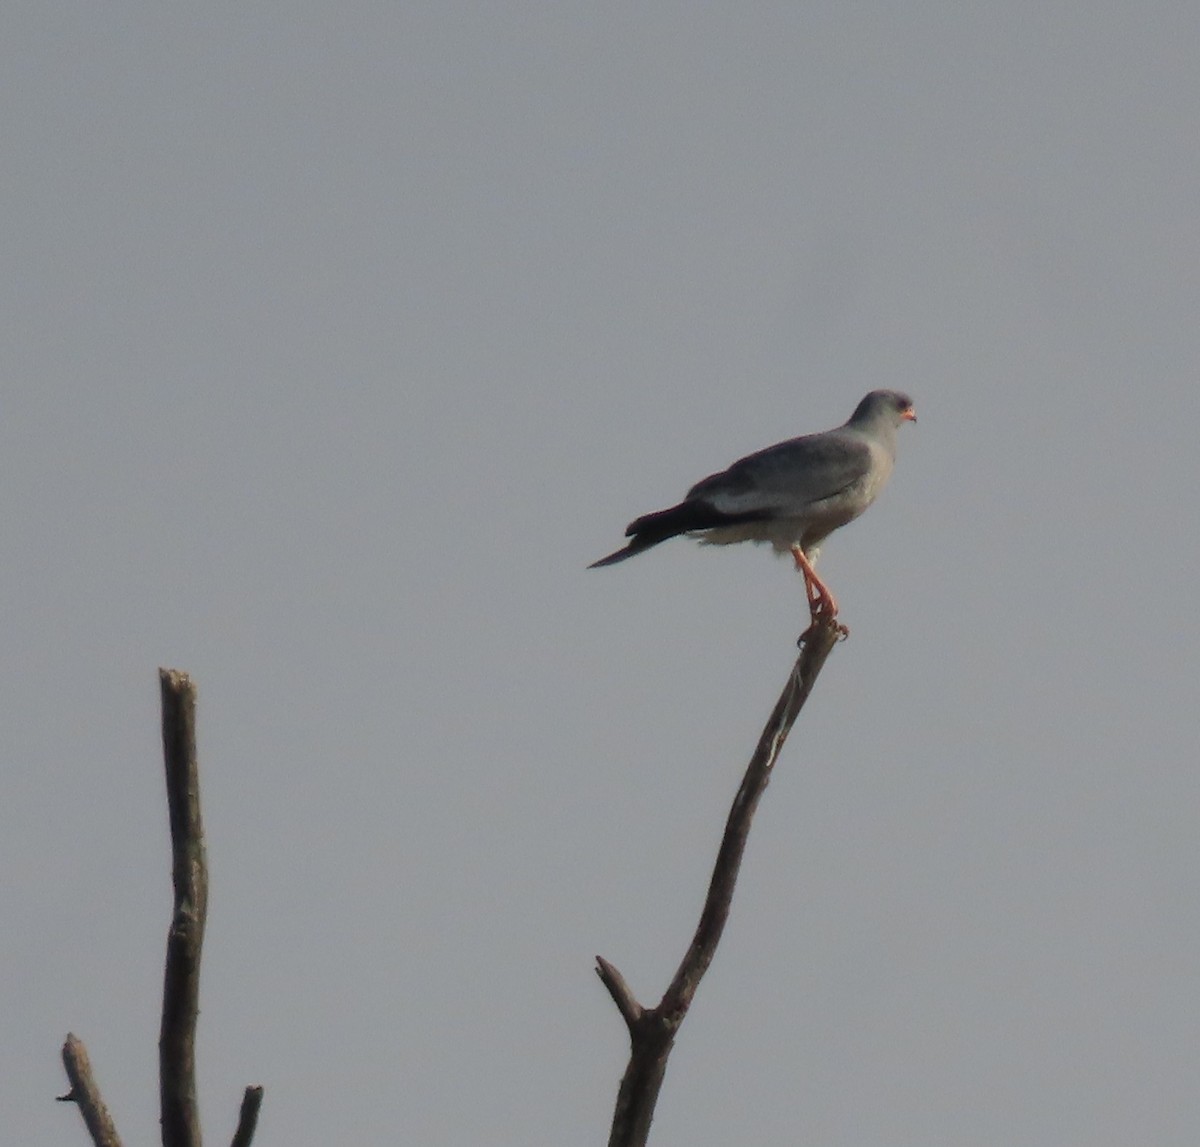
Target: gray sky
x: 337, y: 340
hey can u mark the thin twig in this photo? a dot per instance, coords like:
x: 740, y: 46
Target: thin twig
x: 86, y: 1094
x: 631, y: 1011
x: 652, y: 1030
x: 181, y: 982
x: 248, y: 1118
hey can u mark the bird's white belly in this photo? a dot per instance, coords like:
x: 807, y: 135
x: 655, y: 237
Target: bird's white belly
x: 780, y: 533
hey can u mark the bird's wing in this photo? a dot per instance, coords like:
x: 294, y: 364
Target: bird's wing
x: 787, y: 479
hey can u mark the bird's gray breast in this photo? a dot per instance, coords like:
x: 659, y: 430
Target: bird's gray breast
x: 801, y: 491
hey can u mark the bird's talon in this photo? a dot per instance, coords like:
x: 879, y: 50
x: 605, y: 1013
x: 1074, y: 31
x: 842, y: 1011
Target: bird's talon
x: 841, y: 632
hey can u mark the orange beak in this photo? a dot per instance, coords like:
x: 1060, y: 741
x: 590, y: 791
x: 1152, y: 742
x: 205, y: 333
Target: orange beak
x: 910, y: 415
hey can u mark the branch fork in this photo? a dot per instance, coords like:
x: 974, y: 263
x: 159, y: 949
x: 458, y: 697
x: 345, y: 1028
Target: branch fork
x: 652, y: 1030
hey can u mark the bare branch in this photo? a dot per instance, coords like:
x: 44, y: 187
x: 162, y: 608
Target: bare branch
x: 631, y: 1011
x: 248, y: 1118
x: 181, y: 982
x: 85, y: 1093
x: 652, y: 1031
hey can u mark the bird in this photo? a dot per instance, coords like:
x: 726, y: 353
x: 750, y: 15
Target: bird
x: 792, y: 495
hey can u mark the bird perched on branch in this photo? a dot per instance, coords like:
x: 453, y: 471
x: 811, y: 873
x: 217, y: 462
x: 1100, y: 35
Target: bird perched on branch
x: 792, y: 495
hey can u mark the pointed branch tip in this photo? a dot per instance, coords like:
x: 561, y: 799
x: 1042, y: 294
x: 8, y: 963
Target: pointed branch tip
x: 631, y: 1011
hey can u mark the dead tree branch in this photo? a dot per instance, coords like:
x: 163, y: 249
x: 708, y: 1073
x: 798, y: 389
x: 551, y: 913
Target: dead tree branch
x: 652, y: 1030
x: 189, y: 871
x: 248, y: 1117
x: 85, y: 1092
x: 180, y: 1117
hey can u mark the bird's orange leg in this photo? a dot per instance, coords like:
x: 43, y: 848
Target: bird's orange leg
x: 822, y: 606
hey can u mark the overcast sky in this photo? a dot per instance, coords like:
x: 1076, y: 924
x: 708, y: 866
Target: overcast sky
x: 338, y: 339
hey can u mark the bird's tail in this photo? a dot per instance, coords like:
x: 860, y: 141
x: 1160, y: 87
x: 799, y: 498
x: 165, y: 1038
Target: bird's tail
x: 635, y: 547
x: 651, y: 529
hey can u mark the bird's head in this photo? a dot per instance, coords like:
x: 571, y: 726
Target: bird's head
x: 889, y: 407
